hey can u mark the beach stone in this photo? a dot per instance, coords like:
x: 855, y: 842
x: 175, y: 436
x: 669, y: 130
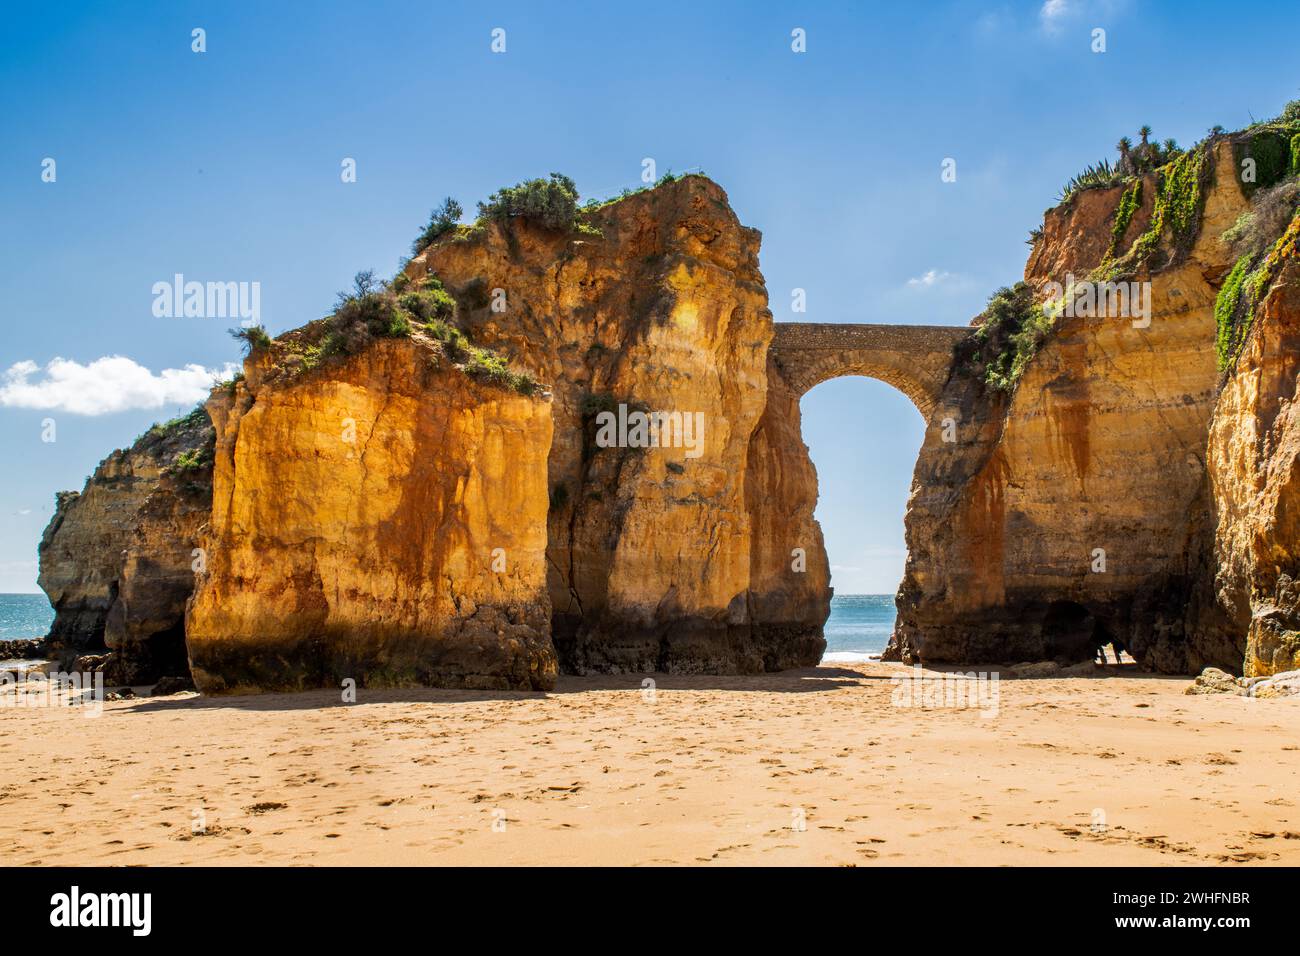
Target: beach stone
x: 1286, y: 684
x: 1215, y: 681
x: 171, y: 685
x: 1083, y: 669
x: 89, y: 663
x: 1035, y: 669
x: 25, y: 650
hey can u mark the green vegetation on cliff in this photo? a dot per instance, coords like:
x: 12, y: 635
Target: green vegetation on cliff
x: 1179, y: 197
x: 1129, y: 203
x: 197, y: 417
x: 1268, y: 148
x: 551, y: 203
x: 592, y: 205
x: 1013, y: 330
x: 441, y: 221
x: 254, y: 338
x: 1244, y: 289
x: 188, y: 440
x: 1229, y: 332
x: 373, y: 310
x: 1138, y: 160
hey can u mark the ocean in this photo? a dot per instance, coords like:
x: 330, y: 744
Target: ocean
x: 859, y: 625
x: 24, y: 616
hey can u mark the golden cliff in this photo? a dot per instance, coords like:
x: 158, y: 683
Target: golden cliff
x: 661, y: 558
x: 380, y: 518
x: 1078, y: 509
x: 1254, y: 470
x: 387, y: 506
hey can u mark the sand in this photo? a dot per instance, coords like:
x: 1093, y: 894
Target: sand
x: 804, y: 767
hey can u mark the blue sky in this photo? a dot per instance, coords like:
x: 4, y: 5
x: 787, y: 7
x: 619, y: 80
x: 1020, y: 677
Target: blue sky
x: 225, y: 165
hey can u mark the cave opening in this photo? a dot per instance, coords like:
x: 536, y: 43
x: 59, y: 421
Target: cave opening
x: 1072, y: 633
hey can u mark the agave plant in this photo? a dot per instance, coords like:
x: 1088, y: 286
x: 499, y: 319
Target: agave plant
x: 1094, y: 175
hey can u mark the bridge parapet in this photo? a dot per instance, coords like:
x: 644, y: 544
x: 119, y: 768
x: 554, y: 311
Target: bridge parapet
x: 915, y: 359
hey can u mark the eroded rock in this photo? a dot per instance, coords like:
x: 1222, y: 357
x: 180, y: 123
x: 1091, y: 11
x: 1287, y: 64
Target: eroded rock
x: 116, y: 558
x: 1075, y: 511
x: 380, y: 519
x: 658, y: 560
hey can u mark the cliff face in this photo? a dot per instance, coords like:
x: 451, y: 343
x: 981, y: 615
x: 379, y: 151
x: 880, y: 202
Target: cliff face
x: 115, y: 560
x: 1254, y: 470
x: 429, y: 547
x: 379, y: 513
x: 659, y: 558
x: 1076, y: 511
x: 381, y: 518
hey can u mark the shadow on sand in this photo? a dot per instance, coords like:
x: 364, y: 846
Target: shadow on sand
x: 801, y: 681
x: 807, y: 680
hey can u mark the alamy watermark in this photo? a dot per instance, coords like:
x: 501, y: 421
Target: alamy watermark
x: 74, y: 908
x: 58, y: 689
x: 1110, y: 300
x: 638, y: 429
x: 970, y: 690
x: 179, y: 299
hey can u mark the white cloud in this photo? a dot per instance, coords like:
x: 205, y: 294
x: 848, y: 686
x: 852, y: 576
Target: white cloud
x: 113, y: 383
x: 930, y: 278
x: 1052, y: 13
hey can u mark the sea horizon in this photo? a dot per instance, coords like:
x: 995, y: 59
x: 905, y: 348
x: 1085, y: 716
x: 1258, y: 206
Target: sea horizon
x: 857, y: 630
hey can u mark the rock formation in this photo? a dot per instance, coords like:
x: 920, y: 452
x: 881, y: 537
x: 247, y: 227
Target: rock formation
x: 380, y: 518
x: 116, y: 557
x: 1078, y: 509
x: 659, y: 559
x: 325, y: 559
x: 390, y: 507
x: 1254, y: 472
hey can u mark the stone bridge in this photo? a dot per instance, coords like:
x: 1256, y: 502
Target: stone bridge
x: 915, y: 359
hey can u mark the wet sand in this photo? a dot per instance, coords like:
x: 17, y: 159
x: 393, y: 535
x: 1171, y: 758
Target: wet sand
x: 817, y: 766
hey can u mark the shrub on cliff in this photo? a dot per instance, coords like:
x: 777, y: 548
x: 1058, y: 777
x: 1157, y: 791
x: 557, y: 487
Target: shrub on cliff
x: 1013, y: 330
x: 428, y: 303
x: 487, y: 365
x: 370, y: 309
x: 1271, y: 212
x: 1177, y: 209
x: 1129, y: 203
x: 453, y: 340
x: 1093, y: 176
x: 1146, y: 157
x: 441, y: 221
x: 197, y: 417
x: 552, y: 203
x: 253, y: 337
x: 1269, y: 150
x: 195, y: 459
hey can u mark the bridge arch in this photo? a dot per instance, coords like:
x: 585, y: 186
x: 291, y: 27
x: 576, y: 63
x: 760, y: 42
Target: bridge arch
x: 915, y: 359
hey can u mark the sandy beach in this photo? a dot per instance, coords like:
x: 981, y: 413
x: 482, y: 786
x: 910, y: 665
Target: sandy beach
x: 803, y: 767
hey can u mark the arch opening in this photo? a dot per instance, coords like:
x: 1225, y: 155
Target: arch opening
x: 863, y: 440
